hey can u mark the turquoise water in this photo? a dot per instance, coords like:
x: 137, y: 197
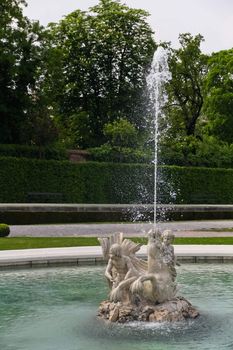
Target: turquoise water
x: 55, y: 309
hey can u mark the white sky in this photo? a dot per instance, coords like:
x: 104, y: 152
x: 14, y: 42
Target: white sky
x: 211, y: 18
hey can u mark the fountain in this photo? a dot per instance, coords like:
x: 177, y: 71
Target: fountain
x: 145, y: 290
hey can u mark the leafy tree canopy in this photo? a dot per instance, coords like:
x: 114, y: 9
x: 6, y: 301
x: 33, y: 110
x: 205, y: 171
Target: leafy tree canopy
x: 105, y: 55
x: 219, y: 95
x: 188, y: 67
x: 19, y: 57
x: 121, y: 133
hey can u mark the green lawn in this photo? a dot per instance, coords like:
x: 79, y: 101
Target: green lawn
x: 224, y: 229
x: 204, y: 240
x: 8, y: 243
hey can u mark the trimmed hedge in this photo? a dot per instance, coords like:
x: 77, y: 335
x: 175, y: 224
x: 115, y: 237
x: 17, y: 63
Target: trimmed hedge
x: 4, y: 230
x: 93, y: 182
x: 199, y: 185
x: 89, y: 182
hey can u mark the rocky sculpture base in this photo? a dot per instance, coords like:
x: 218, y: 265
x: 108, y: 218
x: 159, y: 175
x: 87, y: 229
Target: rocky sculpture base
x: 177, y: 309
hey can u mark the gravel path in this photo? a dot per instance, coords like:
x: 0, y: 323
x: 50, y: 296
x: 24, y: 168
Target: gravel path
x: 181, y: 228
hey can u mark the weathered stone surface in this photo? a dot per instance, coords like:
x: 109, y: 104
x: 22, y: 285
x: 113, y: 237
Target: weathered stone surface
x: 114, y: 314
x: 177, y: 309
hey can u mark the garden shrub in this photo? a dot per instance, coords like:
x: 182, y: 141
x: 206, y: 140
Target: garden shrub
x: 27, y: 151
x: 116, y: 154
x: 121, y: 133
x: 4, y: 230
x: 191, y: 151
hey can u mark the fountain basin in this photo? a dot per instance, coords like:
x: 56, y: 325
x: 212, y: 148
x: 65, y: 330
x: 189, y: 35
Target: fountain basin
x: 55, y: 308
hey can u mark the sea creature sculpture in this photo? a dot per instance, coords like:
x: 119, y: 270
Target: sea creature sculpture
x: 142, y: 290
x: 131, y: 277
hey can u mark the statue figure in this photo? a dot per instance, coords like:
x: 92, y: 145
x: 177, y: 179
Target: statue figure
x: 168, y: 252
x: 142, y: 290
x: 123, y: 266
x: 121, y: 273
x: 161, y: 286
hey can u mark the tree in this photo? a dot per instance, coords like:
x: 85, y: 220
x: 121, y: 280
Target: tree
x: 106, y: 53
x: 219, y: 95
x: 21, y: 56
x: 188, y: 67
x: 121, y: 133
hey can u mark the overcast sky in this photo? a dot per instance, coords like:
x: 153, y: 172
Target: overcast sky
x: 211, y: 18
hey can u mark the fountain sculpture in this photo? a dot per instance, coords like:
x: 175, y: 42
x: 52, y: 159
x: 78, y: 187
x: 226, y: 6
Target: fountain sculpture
x: 145, y: 290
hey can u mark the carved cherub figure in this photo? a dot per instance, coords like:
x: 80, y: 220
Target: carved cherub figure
x: 168, y: 254
x: 154, y: 250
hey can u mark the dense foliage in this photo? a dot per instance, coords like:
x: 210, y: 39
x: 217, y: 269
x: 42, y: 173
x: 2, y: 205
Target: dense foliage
x: 219, y: 95
x: 94, y: 182
x: 81, y: 83
x: 188, y: 67
x: 108, y: 153
x: 105, y: 55
x: 22, y: 108
x: 27, y: 151
x: 193, y: 151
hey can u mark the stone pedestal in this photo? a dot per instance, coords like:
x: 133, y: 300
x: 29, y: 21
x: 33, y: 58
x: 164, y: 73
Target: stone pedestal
x: 177, y: 309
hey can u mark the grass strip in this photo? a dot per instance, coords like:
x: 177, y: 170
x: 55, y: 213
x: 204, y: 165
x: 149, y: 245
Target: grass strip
x: 225, y: 229
x: 11, y: 243
x: 196, y: 240
x: 205, y: 240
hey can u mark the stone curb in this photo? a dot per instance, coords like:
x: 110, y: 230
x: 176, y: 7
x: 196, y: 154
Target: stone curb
x: 55, y: 207
x: 36, y: 213
x: 92, y: 255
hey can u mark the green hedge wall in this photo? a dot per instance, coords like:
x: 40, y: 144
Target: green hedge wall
x: 93, y: 182
x: 90, y: 182
x: 199, y: 185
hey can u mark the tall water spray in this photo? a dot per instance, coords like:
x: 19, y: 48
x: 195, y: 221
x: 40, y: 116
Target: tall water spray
x: 159, y: 75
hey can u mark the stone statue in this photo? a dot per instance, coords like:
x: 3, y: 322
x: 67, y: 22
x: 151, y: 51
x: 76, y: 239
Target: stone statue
x: 168, y: 252
x: 137, y: 287
x: 123, y: 266
x: 121, y: 273
x: 161, y: 286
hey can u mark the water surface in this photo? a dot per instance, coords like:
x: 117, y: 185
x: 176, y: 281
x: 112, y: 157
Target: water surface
x: 55, y: 309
